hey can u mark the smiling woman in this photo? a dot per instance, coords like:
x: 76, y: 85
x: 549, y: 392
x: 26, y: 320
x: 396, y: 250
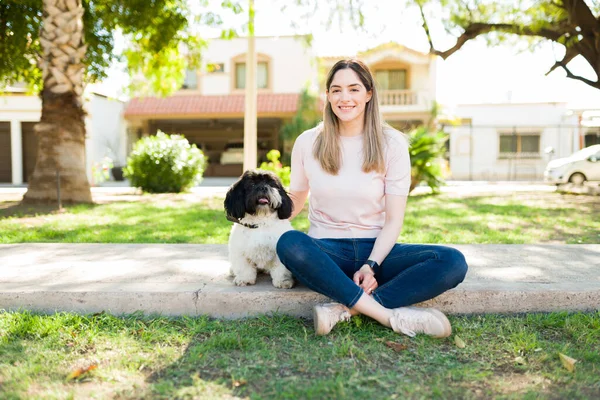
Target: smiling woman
x: 358, y: 171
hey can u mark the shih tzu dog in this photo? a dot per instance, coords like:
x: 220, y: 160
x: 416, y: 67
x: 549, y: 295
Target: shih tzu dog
x: 260, y: 208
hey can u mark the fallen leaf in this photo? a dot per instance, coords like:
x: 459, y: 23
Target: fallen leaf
x: 520, y: 360
x: 459, y: 342
x: 239, y: 383
x: 76, y: 374
x: 396, y: 346
x: 567, y: 362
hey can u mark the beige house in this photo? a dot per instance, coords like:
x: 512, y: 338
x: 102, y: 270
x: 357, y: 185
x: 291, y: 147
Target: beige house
x: 209, y: 108
x: 406, y: 82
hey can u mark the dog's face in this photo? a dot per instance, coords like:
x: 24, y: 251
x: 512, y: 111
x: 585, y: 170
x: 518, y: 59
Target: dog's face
x: 258, y: 192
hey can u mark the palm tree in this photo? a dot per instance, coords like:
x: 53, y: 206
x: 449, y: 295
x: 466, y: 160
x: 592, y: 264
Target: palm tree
x: 61, y: 130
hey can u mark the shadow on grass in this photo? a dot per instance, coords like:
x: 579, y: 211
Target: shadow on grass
x: 18, y: 210
x: 280, y: 357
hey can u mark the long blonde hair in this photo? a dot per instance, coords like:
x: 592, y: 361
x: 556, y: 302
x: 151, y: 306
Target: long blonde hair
x: 327, y: 145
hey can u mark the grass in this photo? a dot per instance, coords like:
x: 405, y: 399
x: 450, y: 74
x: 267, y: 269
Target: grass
x: 279, y: 357
x: 498, y: 218
x: 141, y: 356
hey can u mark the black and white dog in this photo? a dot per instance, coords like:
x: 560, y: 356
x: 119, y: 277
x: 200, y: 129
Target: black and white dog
x: 260, y: 208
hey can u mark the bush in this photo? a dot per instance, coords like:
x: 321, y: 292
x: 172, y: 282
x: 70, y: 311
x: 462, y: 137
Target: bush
x: 165, y: 164
x: 275, y: 166
x: 426, y: 156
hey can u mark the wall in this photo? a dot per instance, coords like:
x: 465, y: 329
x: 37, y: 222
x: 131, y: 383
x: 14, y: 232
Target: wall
x: 292, y: 64
x: 104, y: 124
x: 475, y: 147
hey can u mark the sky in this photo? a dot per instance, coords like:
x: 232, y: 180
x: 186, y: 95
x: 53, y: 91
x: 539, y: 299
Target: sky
x: 475, y: 74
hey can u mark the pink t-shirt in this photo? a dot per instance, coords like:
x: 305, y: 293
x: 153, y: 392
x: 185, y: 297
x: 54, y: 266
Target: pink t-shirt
x: 350, y: 204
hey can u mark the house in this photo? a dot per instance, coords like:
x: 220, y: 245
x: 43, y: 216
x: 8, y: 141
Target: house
x: 209, y: 109
x: 19, y: 112
x: 405, y: 78
x: 510, y: 141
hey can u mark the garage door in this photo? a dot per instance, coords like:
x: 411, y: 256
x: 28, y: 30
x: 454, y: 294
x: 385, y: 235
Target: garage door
x: 5, y: 156
x: 29, y: 148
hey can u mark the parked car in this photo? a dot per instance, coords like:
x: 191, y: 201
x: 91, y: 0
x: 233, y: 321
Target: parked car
x: 578, y: 168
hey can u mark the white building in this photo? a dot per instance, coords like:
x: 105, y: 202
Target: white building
x: 18, y: 143
x: 510, y: 141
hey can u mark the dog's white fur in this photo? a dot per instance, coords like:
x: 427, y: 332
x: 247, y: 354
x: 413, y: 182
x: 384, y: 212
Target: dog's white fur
x: 251, y: 250
x: 254, y: 249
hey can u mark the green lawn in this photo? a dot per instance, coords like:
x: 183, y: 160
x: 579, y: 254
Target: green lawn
x: 143, y: 357
x: 280, y: 357
x: 499, y: 218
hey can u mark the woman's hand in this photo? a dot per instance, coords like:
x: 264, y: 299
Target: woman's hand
x: 365, y: 278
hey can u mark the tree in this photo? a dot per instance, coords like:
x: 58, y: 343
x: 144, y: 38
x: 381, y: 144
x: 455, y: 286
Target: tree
x: 572, y: 24
x: 58, y: 45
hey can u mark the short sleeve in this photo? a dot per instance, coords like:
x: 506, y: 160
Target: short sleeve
x: 397, y: 176
x: 298, y: 179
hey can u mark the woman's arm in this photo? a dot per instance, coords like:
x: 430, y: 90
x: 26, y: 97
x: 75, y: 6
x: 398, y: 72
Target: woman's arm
x: 298, y: 198
x: 395, y: 205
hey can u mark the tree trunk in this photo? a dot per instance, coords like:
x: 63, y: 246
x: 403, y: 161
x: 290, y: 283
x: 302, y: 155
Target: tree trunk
x: 61, y: 130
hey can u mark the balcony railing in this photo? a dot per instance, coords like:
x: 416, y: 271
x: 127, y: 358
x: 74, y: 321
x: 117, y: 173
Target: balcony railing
x: 398, y: 97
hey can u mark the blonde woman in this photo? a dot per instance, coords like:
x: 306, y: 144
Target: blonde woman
x: 357, y: 170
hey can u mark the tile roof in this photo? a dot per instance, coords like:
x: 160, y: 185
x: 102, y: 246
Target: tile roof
x: 196, y: 104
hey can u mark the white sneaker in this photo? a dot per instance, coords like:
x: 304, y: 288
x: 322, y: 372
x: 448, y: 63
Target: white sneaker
x: 413, y: 320
x: 326, y: 316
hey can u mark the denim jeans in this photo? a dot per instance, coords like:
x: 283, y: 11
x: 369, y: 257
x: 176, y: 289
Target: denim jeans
x: 410, y: 274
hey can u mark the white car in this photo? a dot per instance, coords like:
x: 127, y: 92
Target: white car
x: 578, y: 168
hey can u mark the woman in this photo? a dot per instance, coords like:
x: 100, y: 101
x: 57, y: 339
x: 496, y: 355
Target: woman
x: 358, y: 173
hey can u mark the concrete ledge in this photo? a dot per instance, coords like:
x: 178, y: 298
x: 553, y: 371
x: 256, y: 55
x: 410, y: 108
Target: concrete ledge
x: 193, y: 280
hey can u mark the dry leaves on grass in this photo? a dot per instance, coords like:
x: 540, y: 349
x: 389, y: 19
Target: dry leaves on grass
x: 567, y: 362
x: 398, y: 347
x: 459, y: 342
x: 79, y: 373
x: 239, y: 382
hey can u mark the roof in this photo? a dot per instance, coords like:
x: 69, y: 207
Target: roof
x: 187, y: 105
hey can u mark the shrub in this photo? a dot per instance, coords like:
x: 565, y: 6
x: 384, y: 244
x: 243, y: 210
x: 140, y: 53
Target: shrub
x: 426, y: 156
x: 165, y: 163
x: 275, y: 166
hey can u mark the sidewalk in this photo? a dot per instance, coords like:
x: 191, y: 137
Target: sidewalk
x: 187, y: 279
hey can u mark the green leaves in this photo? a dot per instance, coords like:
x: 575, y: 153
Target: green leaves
x: 164, y: 163
x: 160, y: 35
x: 427, y: 150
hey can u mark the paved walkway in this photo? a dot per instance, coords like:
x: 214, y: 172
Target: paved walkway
x: 189, y: 279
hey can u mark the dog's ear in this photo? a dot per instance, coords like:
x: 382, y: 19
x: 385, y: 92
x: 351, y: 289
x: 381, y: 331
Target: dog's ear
x: 235, y: 200
x: 287, y: 205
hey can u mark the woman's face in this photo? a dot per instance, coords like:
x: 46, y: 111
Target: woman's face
x: 348, y: 96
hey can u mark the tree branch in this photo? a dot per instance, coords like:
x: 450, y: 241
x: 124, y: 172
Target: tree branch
x: 581, y: 15
x: 478, y: 28
x: 570, y: 54
x: 595, y: 84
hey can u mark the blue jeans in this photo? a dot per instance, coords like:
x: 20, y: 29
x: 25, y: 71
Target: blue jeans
x: 410, y: 274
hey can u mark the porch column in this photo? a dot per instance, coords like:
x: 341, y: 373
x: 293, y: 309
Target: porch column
x: 16, y: 151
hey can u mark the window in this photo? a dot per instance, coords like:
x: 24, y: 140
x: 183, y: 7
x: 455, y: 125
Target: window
x: 215, y: 68
x: 592, y: 138
x: 262, y: 75
x: 518, y: 145
x: 191, y: 80
x: 391, y: 79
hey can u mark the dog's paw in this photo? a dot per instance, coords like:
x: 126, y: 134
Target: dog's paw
x: 243, y: 282
x: 284, y: 284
